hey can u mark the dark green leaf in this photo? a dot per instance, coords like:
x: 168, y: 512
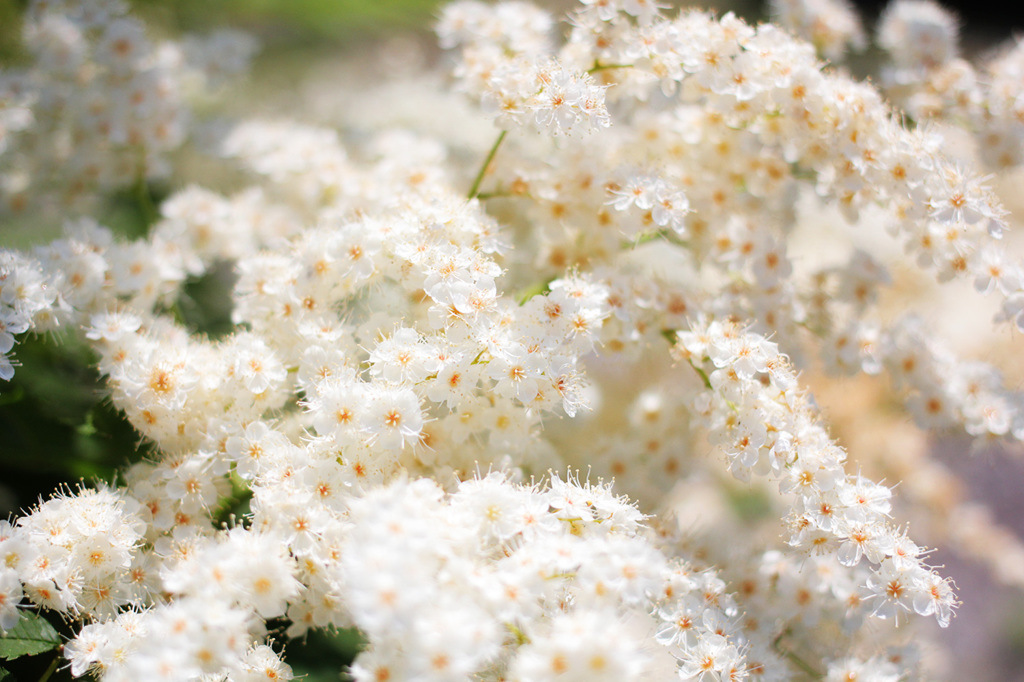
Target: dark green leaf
x: 32, y: 635
x: 322, y: 655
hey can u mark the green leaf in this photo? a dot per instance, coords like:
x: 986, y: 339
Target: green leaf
x: 5, y: 675
x: 32, y: 635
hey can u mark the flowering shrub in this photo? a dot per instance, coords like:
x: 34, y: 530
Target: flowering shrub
x: 450, y: 365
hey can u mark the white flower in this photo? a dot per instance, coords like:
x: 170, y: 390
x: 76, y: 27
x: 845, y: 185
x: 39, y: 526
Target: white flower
x: 932, y: 595
x: 10, y: 598
x: 582, y: 645
x: 392, y: 417
x: 711, y: 659
x: 893, y: 588
x: 404, y: 357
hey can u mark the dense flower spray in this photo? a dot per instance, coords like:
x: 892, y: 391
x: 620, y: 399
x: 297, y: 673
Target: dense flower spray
x: 430, y: 350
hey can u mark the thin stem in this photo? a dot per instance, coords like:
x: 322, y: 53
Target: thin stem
x: 703, y: 375
x: 801, y: 663
x: 598, y: 66
x: 497, y: 194
x: 672, y: 337
x: 794, y: 658
x: 149, y: 212
x: 651, y: 235
x: 475, y: 189
x: 145, y: 201
x: 49, y: 671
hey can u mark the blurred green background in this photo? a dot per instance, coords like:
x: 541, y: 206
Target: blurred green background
x: 278, y: 23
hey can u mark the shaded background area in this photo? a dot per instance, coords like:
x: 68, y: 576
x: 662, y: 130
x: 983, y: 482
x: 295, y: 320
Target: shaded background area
x: 47, y: 443
x: 986, y: 639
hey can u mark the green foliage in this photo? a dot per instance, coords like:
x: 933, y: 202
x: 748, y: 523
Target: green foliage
x: 236, y: 505
x: 32, y: 635
x: 57, y: 425
x: 295, y: 21
x: 321, y: 656
x: 130, y: 212
x: 205, y: 303
x: 10, y: 36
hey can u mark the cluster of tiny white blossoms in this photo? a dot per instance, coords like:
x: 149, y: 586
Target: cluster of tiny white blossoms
x: 933, y: 82
x: 507, y: 64
x: 416, y: 370
x: 757, y: 415
x: 102, y: 105
x: 831, y: 26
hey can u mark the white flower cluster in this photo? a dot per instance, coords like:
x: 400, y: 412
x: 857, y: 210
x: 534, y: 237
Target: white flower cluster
x: 73, y: 553
x: 830, y: 25
x: 756, y: 413
x: 410, y: 365
x: 27, y: 299
x: 101, y: 106
x: 505, y: 65
x: 919, y: 34
x: 930, y: 79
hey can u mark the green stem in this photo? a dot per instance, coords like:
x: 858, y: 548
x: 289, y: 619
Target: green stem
x: 703, y: 375
x: 49, y: 671
x: 146, y: 206
x: 475, y: 189
x: 670, y: 336
x: 794, y: 658
x: 802, y: 664
x: 598, y: 66
x: 497, y: 194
